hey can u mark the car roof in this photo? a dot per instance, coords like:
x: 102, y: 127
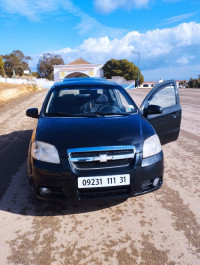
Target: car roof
x: 83, y: 81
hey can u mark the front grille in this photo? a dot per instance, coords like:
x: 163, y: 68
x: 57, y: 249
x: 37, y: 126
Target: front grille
x: 97, y: 165
x: 89, y: 154
x: 102, y: 194
x: 101, y: 157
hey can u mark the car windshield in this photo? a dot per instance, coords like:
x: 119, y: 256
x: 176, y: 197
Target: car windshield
x: 89, y: 101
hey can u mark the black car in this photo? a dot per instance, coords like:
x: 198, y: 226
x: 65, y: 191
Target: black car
x: 92, y: 141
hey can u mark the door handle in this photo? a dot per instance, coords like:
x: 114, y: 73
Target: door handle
x: 174, y: 116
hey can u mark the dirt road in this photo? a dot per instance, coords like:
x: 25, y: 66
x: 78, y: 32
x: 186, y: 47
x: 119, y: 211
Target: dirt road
x: 154, y: 229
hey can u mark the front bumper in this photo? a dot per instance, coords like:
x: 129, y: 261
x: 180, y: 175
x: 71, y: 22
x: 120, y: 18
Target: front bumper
x: 62, y: 180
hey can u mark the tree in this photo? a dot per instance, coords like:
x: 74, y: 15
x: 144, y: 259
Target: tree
x: 2, y: 71
x: 194, y: 83
x: 46, y: 63
x: 122, y: 68
x: 16, y: 61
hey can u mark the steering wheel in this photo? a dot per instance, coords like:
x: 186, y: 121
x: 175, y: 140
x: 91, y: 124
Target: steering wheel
x: 108, y: 108
x: 86, y: 109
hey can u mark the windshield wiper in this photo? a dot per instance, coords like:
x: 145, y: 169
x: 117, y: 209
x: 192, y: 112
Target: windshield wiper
x: 112, y: 113
x: 87, y: 115
x: 90, y: 114
x: 61, y: 114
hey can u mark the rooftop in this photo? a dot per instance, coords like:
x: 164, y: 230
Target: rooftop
x: 79, y: 61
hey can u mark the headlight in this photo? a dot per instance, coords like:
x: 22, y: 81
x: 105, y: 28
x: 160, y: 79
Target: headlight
x: 151, y: 146
x: 45, y: 152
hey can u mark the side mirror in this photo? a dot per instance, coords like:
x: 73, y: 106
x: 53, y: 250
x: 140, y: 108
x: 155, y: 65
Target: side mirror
x: 33, y: 113
x: 153, y: 109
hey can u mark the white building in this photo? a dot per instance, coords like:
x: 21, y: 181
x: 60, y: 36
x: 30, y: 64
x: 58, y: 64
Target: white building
x: 77, y: 68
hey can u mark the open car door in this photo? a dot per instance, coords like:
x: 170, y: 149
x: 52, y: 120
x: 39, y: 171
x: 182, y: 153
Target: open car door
x: 167, y: 121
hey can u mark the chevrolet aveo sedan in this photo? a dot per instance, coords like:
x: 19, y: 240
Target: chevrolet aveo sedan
x: 92, y: 141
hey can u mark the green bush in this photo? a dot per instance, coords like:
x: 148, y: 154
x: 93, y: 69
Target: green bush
x: 194, y: 83
x: 2, y: 71
x: 33, y: 88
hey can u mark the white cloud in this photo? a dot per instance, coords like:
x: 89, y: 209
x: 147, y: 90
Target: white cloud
x: 35, y: 9
x: 178, y: 18
x: 31, y: 9
x: 66, y: 50
x: 159, y: 49
x: 107, y: 6
x: 92, y: 27
x: 185, y: 59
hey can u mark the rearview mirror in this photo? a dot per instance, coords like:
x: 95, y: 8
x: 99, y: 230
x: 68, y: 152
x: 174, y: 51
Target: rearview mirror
x: 153, y: 109
x: 33, y: 113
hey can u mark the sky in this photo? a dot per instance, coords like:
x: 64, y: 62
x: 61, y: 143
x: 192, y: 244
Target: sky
x: 166, y: 33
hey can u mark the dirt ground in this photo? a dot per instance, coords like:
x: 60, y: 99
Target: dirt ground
x: 154, y: 229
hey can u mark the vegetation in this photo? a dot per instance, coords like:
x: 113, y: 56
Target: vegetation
x: 33, y: 88
x: 16, y: 61
x: 34, y: 74
x: 46, y: 63
x: 2, y: 71
x: 194, y: 83
x: 122, y: 68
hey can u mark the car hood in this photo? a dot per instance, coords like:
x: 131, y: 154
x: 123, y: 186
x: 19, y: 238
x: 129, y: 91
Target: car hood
x: 77, y: 132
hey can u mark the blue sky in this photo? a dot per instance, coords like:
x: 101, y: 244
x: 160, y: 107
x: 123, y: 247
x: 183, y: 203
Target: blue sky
x: 165, y: 32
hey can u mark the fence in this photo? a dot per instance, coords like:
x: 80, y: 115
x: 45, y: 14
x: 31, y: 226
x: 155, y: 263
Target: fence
x: 39, y: 81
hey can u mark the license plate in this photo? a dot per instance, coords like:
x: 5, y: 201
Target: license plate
x: 103, y: 181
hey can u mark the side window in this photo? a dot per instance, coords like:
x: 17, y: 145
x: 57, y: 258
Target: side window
x: 166, y: 97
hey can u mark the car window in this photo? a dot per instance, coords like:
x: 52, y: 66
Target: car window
x: 123, y: 102
x: 91, y: 99
x: 166, y: 97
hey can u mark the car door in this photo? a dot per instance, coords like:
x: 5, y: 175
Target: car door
x: 167, y: 123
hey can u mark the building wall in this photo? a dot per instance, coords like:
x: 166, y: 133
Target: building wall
x: 92, y: 70
x: 43, y: 82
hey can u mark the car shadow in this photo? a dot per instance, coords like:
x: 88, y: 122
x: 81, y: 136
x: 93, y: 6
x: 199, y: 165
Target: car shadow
x: 15, y: 193
x: 36, y: 207
x: 13, y: 152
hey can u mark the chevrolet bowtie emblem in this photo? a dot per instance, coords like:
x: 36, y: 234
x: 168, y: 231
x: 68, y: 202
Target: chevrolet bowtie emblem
x: 103, y: 158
